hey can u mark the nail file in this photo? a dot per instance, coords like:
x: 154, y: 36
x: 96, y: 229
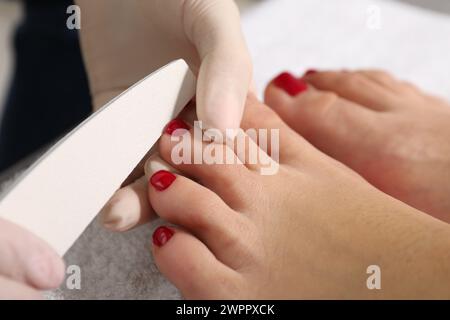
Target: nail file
x: 63, y: 191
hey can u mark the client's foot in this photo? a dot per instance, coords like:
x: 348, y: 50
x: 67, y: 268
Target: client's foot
x: 311, y: 230
x: 394, y: 135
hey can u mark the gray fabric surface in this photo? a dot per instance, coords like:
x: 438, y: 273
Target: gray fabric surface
x: 116, y: 266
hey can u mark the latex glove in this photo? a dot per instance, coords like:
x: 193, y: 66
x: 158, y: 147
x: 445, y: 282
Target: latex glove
x: 27, y: 264
x: 123, y: 41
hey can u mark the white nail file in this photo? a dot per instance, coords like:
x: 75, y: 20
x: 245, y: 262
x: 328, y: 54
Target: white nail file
x: 64, y: 190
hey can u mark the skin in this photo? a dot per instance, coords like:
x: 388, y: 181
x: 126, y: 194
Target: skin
x: 390, y: 132
x: 309, y: 231
x: 27, y: 264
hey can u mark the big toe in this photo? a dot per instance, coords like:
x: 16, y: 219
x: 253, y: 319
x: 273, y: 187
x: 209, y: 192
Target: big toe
x: 334, y: 125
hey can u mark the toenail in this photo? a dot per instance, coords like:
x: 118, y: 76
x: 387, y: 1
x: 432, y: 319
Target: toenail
x: 310, y: 72
x: 293, y: 86
x: 174, y: 125
x: 162, y: 179
x: 161, y: 236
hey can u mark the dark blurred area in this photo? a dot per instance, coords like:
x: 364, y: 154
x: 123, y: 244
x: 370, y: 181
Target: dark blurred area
x: 48, y: 94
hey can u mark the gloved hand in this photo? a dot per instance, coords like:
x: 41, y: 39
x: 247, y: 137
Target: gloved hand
x: 123, y: 41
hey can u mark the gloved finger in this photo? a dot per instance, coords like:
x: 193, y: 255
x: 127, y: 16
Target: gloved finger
x: 28, y: 259
x: 225, y: 72
x: 12, y: 290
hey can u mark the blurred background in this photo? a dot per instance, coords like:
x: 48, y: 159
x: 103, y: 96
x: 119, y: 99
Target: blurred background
x: 31, y: 76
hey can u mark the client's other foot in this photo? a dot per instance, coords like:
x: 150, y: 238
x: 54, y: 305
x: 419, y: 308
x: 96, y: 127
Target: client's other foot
x: 394, y: 135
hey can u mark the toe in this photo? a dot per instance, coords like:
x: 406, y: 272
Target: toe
x: 282, y: 144
x: 191, y: 266
x: 355, y: 87
x: 333, y: 125
x: 128, y: 207
x: 186, y: 203
x: 214, y: 165
x: 378, y: 76
x: 387, y: 81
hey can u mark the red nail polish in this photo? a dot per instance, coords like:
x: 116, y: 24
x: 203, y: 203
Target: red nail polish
x: 161, y: 236
x: 162, y: 179
x: 310, y: 71
x: 174, y: 125
x: 290, y: 84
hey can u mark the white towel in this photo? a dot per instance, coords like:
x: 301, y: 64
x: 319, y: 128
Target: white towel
x: 295, y: 35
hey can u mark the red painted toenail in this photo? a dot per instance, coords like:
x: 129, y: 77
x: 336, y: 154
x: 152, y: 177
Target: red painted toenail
x: 175, y: 124
x: 162, y: 179
x: 290, y: 84
x: 161, y: 236
x: 310, y: 72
